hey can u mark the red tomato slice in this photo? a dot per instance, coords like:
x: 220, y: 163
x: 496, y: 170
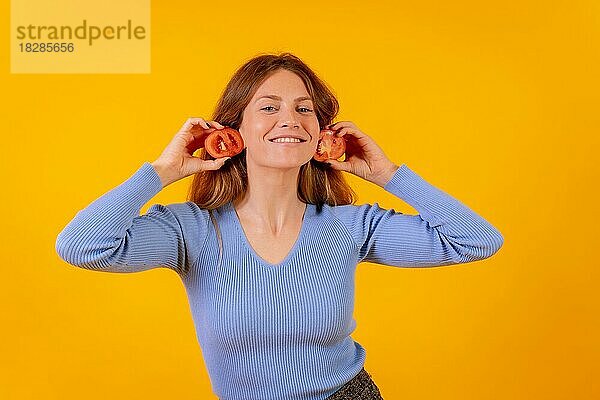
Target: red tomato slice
x: 329, y: 146
x: 226, y: 142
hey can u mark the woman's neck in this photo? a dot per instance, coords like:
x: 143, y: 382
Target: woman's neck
x: 271, y: 202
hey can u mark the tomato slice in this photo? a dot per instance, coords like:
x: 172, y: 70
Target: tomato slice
x: 329, y: 146
x: 226, y: 142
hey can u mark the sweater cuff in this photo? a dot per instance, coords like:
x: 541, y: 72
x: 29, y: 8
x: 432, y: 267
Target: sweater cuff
x: 400, y: 179
x: 430, y: 201
x: 142, y: 186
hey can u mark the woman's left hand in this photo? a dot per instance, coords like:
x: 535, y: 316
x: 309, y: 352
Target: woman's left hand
x: 364, y: 158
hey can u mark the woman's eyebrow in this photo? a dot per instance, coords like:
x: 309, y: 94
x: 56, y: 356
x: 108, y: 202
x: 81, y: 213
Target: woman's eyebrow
x: 275, y: 97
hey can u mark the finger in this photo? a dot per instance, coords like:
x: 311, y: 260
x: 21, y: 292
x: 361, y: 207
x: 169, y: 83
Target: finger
x: 341, y: 124
x: 197, y: 164
x: 193, y: 123
x: 215, y: 123
x: 187, y: 125
x: 200, y: 127
x: 338, y: 165
x: 201, y: 131
x: 200, y: 121
x: 352, y: 131
x: 346, y: 130
x: 216, y: 163
x: 333, y: 125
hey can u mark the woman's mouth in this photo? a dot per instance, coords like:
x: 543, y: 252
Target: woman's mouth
x: 287, y: 141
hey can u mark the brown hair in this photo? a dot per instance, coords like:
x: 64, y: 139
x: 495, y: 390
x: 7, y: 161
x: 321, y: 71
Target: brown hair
x: 318, y: 183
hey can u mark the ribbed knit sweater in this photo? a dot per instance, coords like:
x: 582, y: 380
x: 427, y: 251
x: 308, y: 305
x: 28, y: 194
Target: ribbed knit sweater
x: 274, y: 332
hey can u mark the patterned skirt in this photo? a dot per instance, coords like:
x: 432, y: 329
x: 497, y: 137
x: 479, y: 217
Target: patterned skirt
x: 361, y: 387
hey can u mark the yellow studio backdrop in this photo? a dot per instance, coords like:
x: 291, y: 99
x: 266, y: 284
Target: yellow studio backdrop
x: 495, y: 103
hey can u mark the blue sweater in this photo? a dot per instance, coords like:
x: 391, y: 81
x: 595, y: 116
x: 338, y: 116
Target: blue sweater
x: 274, y: 332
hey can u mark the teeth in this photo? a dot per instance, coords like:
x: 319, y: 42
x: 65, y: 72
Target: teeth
x: 287, y: 140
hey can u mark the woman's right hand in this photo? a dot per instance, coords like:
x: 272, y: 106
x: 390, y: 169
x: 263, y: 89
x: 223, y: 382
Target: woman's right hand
x: 177, y: 162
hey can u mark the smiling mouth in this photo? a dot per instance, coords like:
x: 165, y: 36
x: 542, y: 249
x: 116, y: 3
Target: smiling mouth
x: 291, y: 142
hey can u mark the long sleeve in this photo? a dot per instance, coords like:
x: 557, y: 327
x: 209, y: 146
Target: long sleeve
x: 444, y: 232
x: 109, y: 234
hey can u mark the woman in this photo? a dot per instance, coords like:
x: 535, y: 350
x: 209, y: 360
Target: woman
x: 273, y: 306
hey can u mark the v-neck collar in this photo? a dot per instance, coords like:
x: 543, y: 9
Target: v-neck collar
x: 308, y: 211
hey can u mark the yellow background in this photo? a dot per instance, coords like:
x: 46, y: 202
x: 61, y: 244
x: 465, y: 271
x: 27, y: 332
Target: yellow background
x: 496, y: 103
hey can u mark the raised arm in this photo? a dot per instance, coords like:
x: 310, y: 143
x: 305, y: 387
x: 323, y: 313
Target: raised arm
x: 444, y: 232
x: 109, y: 234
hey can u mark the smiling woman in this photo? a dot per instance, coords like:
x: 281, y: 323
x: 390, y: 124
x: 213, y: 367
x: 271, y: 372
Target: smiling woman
x: 273, y: 308
x: 292, y: 102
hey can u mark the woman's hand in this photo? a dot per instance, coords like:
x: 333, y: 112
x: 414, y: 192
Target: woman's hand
x: 364, y: 158
x: 176, y: 161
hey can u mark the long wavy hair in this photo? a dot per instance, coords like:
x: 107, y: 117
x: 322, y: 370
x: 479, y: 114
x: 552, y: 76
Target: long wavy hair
x: 318, y: 183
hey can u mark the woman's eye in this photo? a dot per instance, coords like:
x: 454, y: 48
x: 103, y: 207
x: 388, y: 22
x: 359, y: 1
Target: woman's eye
x: 271, y: 108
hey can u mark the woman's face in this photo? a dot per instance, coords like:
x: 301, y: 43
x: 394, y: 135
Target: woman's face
x: 288, y: 111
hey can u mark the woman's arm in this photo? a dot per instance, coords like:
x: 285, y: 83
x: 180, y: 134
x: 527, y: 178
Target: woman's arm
x: 109, y: 234
x: 445, y: 231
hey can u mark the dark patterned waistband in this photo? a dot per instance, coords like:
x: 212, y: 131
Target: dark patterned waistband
x: 361, y: 387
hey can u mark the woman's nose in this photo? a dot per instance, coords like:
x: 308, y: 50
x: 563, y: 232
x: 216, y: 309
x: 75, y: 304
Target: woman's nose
x: 289, y: 119
x: 291, y: 123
